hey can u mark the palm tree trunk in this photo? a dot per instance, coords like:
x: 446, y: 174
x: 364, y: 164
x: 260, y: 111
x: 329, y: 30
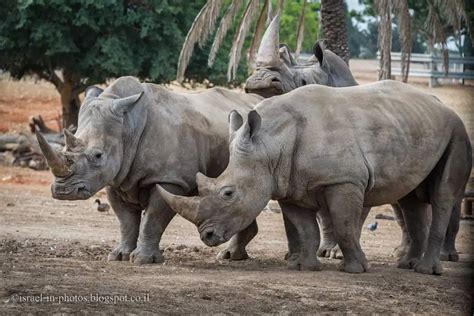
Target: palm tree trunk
x: 333, y: 28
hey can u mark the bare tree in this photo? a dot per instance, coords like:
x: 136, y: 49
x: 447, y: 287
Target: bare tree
x: 384, y: 12
x: 300, y: 31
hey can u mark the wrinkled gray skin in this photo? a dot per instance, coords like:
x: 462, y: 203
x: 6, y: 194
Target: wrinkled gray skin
x: 133, y: 136
x: 340, y: 150
x: 277, y: 73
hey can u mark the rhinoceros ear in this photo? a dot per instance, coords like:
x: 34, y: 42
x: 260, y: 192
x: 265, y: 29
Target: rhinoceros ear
x: 92, y: 91
x: 120, y: 106
x: 254, y: 122
x: 318, y: 50
x: 235, y: 121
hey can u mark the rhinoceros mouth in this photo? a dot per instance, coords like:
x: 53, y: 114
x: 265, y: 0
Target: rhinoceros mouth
x: 265, y: 92
x: 77, y: 191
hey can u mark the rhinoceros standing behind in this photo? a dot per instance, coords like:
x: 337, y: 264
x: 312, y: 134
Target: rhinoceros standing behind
x: 277, y: 72
x: 133, y: 136
x: 339, y: 149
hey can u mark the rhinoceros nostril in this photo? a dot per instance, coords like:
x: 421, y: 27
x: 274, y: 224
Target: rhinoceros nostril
x: 210, y: 238
x: 209, y: 235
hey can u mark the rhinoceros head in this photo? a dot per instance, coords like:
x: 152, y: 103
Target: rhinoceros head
x: 278, y: 73
x: 92, y: 157
x: 229, y: 203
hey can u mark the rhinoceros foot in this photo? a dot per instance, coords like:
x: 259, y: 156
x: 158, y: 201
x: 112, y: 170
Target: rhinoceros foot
x: 449, y: 255
x: 429, y: 267
x: 400, y: 251
x: 408, y: 263
x: 355, y: 265
x: 329, y: 249
x: 233, y: 253
x: 145, y: 255
x: 299, y: 263
x: 120, y: 253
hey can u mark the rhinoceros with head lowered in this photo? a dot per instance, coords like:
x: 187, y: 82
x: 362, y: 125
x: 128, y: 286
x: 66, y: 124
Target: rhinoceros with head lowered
x: 278, y: 73
x: 341, y: 150
x: 133, y: 136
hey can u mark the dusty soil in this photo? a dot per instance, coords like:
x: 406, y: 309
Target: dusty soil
x: 57, y: 250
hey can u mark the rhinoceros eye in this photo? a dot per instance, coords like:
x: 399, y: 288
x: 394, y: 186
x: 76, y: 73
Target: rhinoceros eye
x: 227, y: 193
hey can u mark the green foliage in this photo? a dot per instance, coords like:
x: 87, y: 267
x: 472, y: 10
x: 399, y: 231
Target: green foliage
x: 419, y: 13
x: 197, y: 69
x: 94, y: 40
x: 289, y: 24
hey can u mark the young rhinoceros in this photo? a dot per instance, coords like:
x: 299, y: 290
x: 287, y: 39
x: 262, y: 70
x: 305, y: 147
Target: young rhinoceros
x: 339, y: 149
x: 134, y: 135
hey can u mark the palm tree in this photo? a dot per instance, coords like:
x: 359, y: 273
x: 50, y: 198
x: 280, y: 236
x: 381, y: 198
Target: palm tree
x: 443, y: 16
x: 333, y: 28
x: 205, y: 22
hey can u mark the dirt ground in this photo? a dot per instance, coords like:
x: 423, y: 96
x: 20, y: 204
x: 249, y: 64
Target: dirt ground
x: 52, y: 253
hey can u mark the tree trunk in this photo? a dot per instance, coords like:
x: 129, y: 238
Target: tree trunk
x: 384, y: 11
x: 333, y: 28
x: 70, y: 99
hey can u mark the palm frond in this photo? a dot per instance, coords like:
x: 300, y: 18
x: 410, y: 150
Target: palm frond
x: 279, y: 7
x: 239, y: 38
x: 257, y: 35
x: 202, y: 26
x: 269, y: 13
x: 435, y: 30
x: 453, y: 11
x: 400, y: 8
x: 300, y: 31
x: 224, y: 26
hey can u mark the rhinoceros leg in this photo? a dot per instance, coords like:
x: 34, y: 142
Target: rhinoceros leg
x: 328, y: 247
x: 154, y: 222
x: 416, y: 221
x: 401, y: 250
x: 447, y: 183
x: 236, y: 248
x: 345, y: 204
x: 304, y: 229
x: 292, y: 237
x: 448, y: 252
x: 129, y: 218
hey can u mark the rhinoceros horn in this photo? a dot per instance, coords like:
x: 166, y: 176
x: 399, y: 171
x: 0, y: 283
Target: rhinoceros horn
x: 186, y: 206
x: 268, y: 52
x: 72, y: 142
x: 56, y: 160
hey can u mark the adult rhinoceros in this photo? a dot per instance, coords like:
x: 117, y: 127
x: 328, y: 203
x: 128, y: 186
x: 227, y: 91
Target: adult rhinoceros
x: 133, y: 136
x: 277, y: 73
x: 341, y: 150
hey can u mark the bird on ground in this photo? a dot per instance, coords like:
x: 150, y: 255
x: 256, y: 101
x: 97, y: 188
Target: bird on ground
x: 102, y: 207
x: 372, y: 226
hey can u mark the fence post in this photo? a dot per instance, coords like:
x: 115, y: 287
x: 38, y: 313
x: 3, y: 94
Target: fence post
x: 433, y: 68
